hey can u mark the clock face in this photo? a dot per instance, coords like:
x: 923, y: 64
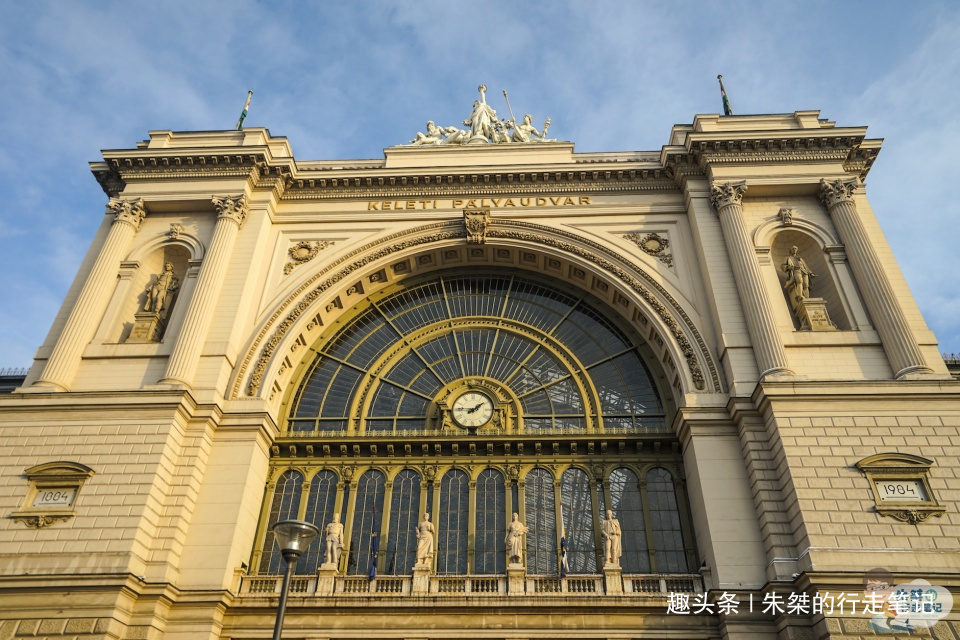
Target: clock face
x: 472, y: 409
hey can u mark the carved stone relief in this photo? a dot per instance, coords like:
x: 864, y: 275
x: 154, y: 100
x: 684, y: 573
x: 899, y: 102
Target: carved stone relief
x: 652, y: 244
x: 786, y: 216
x: 476, y: 222
x: 303, y: 252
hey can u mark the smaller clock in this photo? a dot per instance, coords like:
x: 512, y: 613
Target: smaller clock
x: 472, y: 409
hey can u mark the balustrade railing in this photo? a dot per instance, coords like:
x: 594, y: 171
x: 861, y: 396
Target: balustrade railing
x: 642, y: 585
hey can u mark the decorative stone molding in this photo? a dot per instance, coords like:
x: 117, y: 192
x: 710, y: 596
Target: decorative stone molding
x: 727, y: 193
x: 901, y: 486
x: 476, y: 222
x: 39, y: 522
x: 786, y: 216
x: 130, y: 211
x: 303, y: 252
x: 53, y: 492
x: 175, y: 230
x: 652, y: 244
x: 837, y: 191
x: 232, y: 207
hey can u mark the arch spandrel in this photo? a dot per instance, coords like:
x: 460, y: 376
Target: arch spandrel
x: 282, y: 345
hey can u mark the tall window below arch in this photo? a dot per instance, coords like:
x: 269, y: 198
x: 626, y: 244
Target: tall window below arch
x: 541, y: 519
x: 490, y: 523
x: 320, y: 503
x: 576, y: 509
x: 627, y: 507
x: 366, y: 520
x: 452, y: 523
x: 665, y: 521
x: 402, y: 532
x: 286, y: 505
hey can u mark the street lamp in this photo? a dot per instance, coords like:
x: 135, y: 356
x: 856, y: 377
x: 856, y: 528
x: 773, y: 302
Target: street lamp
x: 292, y: 538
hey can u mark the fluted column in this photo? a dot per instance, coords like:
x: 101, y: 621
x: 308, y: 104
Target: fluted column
x: 888, y: 317
x: 94, y: 296
x: 186, y: 353
x: 761, y: 323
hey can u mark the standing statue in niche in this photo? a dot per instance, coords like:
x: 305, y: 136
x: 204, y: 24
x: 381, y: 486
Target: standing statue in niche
x: 334, y: 537
x: 166, y: 283
x: 515, y: 532
x: 425, y: 542
x: 611, y: 533
x: 798, y: 277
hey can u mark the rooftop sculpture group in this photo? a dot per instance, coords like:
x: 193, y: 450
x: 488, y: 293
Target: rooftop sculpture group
x: 485, y: 128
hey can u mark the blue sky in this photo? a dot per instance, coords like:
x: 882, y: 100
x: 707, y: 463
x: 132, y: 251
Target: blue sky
x: 344, y: 80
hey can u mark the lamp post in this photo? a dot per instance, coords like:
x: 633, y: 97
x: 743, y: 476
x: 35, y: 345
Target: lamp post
x: 292, y: 538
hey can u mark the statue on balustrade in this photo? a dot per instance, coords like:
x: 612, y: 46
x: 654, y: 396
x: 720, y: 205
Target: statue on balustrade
x: 515, y: 532
x: 611, y: 533
x: 334, y: 533
x: 425, y: 542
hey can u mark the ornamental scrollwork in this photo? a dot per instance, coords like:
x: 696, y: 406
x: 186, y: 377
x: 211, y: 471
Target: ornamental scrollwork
x: 837, y: 191
x: 39, y: 522
x: 303, y: 252
x: 727, y: 194
x: 652, y: 244
x: 130, y: 211
x: 911, y: 516
x: 231, y: 207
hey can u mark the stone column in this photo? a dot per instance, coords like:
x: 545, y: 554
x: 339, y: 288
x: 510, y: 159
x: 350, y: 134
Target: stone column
x: 183, y: 362
x: 92, y: 302
x: 898, y: 340
x: 761, y: 323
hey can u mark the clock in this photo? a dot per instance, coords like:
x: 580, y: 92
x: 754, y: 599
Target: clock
x: 472, y: 409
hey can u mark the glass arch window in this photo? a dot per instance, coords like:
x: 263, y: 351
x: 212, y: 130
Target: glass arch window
x: 541, y: 519
x: 576, y: 509
x: 402, y: 532
x: 428, y: 336
x: 665, y: 522
x: 452, y: 523
x: 366, y: 521
x: 285, y: 506
x: 491, y: 523
x: 321, y: 499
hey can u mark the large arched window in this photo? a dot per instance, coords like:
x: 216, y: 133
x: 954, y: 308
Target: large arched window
x: 453, y: 522
x: 366, y: 521
x: 490, y: 523
x: 285, y: 506
x: 669, y: 553
x: 627, y: 507
x: 565, y: 365
x: 402, y: 532
x: 320, y: 502
x: 576, y: 509
x: 541, y: 519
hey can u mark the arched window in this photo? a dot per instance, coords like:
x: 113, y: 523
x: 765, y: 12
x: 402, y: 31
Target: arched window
x: 627, y: 507
x: 286, y: 505
x: 452, y: 523
x: 665, y: 522
x: 366, y: 520
x: 576, y: 510
x: 402, y: 533
x: 320, y: 503
x: 541, y: 519
x: 491, y: 523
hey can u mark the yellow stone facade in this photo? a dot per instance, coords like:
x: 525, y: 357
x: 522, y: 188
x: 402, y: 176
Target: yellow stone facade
x: 149, y: 451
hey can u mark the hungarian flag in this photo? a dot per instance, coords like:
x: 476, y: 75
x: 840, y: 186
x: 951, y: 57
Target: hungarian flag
x: 243, y: 114
x: 727, y: 111
x: 374, y: 544
x: 563, y: 556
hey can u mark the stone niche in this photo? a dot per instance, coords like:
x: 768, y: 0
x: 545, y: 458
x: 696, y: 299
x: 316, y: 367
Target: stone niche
x: 139, y: 324
x: 823, y: 310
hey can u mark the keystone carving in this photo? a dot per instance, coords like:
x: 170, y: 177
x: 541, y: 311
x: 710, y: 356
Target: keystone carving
x: 476, y: 221
x: 727, y: 194
x: 786, y: 216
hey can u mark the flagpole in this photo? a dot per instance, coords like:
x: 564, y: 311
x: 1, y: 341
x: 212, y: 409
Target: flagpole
x: 727, y: 109
x: 243, y: 114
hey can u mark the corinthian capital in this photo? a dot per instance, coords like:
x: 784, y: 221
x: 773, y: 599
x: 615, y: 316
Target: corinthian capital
x: 129, y: 211
x: 837, y: 191
x: 232, y: 207
x: 727, y: 193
